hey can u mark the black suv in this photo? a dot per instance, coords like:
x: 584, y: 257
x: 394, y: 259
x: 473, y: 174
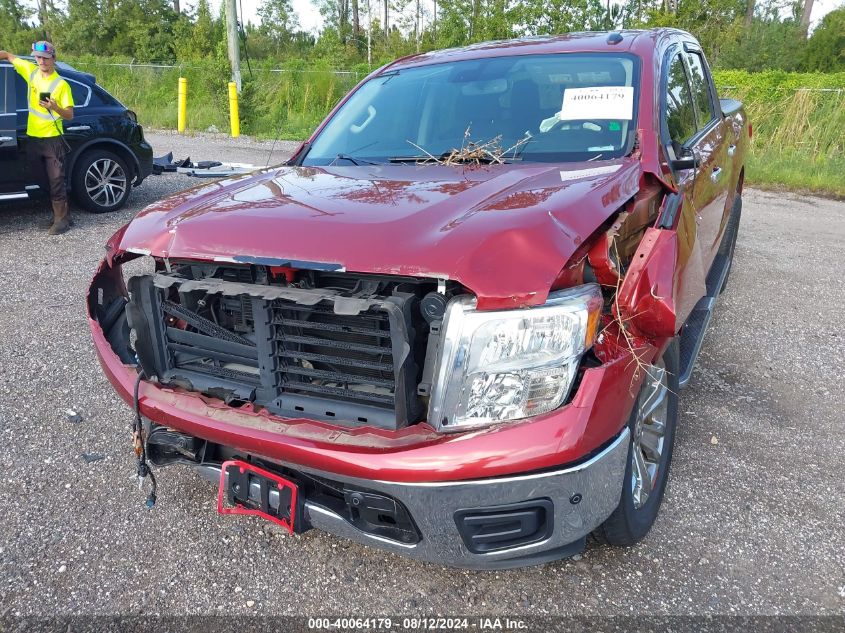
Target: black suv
x: 108, y: 154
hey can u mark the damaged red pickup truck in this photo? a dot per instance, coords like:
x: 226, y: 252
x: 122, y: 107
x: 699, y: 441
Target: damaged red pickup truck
x: 455, y: 324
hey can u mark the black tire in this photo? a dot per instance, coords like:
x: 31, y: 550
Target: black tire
x: 628, y: 523
x: 101, y: 181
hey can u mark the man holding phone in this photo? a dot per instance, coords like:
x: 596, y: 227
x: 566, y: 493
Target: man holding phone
x: 50, y: 103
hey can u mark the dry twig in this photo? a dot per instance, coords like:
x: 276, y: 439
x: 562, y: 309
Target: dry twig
x: 637, y: 355
x: 474, y: 152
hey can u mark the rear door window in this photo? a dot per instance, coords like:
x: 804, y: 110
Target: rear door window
x: 81, y: 93
x: 101, y: 98
x: 680, y: 110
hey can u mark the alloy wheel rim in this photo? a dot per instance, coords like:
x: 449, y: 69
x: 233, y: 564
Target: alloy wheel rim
x: 105, y: 182
x: 649, y: 434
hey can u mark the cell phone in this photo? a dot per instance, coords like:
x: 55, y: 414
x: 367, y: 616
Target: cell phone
x: 43, y: 96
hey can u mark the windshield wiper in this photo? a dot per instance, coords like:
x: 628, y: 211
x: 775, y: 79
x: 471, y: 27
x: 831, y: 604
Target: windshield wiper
x: 409, y: 159
x: 355, y: 161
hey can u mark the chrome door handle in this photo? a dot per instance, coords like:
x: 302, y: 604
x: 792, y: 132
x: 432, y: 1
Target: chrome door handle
x: 6, y: 139
x: 731, y: 150
x: 79, y: 128
x: 717, y: 173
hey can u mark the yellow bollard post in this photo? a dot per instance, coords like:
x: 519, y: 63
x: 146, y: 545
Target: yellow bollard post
x: 182, y: 105
x: 234, y: 120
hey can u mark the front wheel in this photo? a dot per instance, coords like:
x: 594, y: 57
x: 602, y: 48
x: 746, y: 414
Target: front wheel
x: 652, y: 426
x: 101, y: 181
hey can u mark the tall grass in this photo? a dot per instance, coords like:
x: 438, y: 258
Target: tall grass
x: 798, y: 118
x: 290, y: 101
x: 286, y: 101
x: 798, y: 121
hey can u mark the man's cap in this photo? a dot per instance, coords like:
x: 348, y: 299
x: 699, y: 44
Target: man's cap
x: 43, y: 49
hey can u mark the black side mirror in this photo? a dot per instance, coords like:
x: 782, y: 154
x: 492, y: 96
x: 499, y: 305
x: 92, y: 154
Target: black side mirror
x: 686, y: 158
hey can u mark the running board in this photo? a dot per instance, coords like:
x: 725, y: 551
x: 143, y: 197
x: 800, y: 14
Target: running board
x: 692, y: 334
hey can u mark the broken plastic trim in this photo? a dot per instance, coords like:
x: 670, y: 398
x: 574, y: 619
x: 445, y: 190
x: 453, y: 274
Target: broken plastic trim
x: 241, y: 497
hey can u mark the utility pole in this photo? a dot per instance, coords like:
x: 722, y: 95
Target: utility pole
x: 232, y: 36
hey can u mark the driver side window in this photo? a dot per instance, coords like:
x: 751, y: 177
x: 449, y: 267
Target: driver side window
x: 7, y: 95
x: 680, y: 111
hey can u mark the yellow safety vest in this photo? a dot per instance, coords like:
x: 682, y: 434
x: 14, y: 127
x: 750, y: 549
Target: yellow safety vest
x: 42, y: 123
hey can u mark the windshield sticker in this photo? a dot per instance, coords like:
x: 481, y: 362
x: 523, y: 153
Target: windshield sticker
x: 605, y: 102
x: 577, y: 174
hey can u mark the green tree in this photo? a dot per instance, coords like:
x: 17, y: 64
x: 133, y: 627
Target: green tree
x: 336, y: 15
x: 278, y: 23
x: 82, y: 29
x: 16, y: 34
x: 462, y: 22
x: 195, y: 36
x: 769, y: 42
x: 561, y: 16
x: 825, y: 50
x: 144, y: 29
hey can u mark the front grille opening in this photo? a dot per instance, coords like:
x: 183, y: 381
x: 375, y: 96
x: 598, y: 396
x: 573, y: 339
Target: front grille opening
x: 351, y: 353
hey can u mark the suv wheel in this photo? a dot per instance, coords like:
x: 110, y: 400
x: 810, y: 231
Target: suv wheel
x: 652, y: 425
x: 101, y: 181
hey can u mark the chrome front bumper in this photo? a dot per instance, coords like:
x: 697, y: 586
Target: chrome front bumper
x: 582, y: 497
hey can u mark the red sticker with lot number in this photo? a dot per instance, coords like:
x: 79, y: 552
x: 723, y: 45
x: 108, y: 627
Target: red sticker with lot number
x: 255, y: 491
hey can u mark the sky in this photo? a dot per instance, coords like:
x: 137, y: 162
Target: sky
x: 310, y: 19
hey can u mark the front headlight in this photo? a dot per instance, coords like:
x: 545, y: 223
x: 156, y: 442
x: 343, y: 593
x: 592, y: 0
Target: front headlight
x: 511, y: 364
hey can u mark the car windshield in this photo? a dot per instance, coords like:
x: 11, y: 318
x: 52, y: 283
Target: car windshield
x: 544, y: 108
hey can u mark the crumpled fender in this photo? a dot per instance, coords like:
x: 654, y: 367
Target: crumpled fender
x: 646, y: 299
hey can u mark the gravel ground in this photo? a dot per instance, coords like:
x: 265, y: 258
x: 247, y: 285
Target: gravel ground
x: 752, y: 522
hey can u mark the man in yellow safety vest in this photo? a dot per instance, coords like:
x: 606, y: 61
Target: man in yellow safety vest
x: 50, y: 103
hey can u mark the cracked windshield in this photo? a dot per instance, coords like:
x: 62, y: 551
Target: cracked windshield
x: 530, y: 108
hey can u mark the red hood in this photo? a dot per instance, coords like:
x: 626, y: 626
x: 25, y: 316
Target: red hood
x: 503, y: 231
